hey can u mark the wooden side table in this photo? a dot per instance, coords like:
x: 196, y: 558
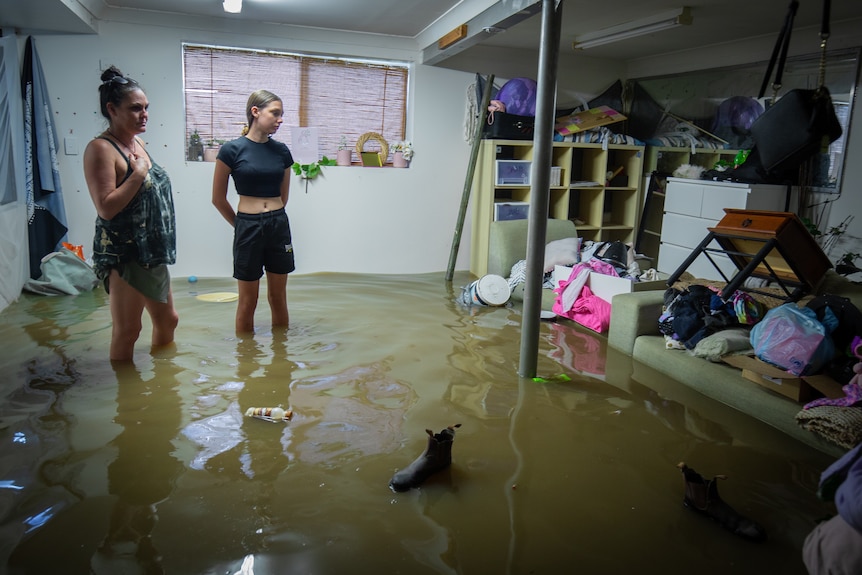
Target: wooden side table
x: 769, y: 245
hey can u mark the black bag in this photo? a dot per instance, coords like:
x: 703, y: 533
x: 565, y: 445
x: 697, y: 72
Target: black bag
x: 503, y: 126
x: 614, y: 253
x: 795, y: 128
x: 849, y: 317
x: 803, y: 121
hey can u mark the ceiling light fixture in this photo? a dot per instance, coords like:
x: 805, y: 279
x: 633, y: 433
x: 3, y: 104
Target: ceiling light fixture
x: 232, y: 6
x: 635, y: 28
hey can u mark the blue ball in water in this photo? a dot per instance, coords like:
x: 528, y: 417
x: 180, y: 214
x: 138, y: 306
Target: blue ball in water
x: 193, y: 279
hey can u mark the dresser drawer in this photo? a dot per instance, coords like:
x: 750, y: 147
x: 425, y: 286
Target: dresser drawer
x: 671, y: 257
x: 716, y: 198
x: 704, y: 200
x: 707, y: 199
x: 684, y: 230
x: 683, y: 198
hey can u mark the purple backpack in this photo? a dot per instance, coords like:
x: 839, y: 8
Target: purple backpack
x: 519, y: 95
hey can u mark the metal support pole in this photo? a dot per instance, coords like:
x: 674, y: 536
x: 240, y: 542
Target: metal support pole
x: 540, y: 178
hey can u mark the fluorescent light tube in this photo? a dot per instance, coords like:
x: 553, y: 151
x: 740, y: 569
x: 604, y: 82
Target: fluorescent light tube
x: 232, y: 6
x: 651, y: 25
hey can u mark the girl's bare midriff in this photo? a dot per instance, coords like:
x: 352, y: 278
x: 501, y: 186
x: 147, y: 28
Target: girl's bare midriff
x: 253, y: 205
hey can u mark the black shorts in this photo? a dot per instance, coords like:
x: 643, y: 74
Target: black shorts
x: 262, y: 241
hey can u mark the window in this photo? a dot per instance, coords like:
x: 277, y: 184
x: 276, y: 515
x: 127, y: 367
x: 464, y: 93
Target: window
x: 339, y: 96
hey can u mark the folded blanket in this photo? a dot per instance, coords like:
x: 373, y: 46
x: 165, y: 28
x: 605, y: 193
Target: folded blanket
x: 840, y: 425
x: 684, y: 140
x: 518, y: 275
x: 601, y: 134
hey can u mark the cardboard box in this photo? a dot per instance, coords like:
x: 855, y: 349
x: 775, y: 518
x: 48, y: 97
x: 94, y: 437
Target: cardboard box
x: 592, y: 118
x: 800, y: 389
x: 606, y: 287
x: 505, y: 211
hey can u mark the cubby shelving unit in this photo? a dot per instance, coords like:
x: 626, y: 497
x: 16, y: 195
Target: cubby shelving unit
x: 602, y: 209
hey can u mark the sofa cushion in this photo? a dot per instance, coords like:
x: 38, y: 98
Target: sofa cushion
x: 564, y: 252
x: 507, y: 242
x: 633, y: 315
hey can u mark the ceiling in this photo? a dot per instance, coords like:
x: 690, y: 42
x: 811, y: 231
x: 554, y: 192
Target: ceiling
x: 714, y: 21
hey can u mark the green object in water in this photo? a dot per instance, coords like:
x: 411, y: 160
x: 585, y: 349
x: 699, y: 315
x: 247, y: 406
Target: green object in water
x: 555, y: 378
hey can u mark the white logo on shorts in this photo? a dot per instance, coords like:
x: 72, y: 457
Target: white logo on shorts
x: 288, y: 248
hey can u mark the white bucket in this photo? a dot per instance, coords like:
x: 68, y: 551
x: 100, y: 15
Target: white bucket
x: 490, y: 290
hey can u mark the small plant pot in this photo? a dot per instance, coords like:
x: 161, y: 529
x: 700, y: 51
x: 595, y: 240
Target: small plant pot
x: 196, y: 152
x: 343, y: 158
x: 398, y: 160
x: 210, y: 154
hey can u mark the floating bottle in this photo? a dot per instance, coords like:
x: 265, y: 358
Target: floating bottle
x: 270, y: 413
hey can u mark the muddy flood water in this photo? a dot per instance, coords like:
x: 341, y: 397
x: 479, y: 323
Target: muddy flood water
x: 156, y: 468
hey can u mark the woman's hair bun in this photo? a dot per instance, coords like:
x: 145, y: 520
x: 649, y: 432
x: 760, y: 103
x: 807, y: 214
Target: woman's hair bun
x: 110, y: 73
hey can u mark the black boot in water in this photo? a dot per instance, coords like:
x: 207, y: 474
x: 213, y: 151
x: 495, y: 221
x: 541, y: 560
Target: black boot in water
x: 702, y: 496
x: 437, y: 456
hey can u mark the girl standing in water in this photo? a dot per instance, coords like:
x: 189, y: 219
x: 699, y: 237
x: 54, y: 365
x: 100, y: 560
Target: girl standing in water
x: 260, y: 167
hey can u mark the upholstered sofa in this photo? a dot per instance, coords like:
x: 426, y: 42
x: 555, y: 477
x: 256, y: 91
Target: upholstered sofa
x: 634, y: 330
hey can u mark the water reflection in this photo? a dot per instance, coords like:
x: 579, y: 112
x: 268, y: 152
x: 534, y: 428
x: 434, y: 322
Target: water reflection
x: 157, y: 468
x: 577, y: 350
x: 144, y: 471
x: 227, y: 438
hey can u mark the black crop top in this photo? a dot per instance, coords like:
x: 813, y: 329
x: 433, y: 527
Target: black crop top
x: 257, y: 169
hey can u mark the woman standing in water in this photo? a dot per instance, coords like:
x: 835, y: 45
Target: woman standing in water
x: 260, y: 167
x: 135, y: 236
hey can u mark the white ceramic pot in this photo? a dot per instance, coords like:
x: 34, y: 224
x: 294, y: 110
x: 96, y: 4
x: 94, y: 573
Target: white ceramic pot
x: 398, y: 160
x: 210, y: 154
x: 343, y: 158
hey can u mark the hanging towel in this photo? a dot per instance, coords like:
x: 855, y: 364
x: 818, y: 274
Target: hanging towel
x: 46, y: 215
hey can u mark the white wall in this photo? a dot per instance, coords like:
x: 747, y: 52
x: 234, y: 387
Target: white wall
x: 352, y: 219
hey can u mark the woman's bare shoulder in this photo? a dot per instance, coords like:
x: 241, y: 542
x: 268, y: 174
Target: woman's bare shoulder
x: 98, y: 145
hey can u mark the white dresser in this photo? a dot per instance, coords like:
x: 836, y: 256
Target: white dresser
x: 692, y: 206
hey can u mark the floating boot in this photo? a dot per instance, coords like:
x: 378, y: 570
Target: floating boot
x: 437, y: 456
x: 702, y: 496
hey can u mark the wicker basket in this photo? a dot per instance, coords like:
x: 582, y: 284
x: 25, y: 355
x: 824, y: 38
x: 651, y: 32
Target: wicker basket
x: 382, y: 155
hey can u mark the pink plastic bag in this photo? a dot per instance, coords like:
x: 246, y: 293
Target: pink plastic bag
x: 793, y: 339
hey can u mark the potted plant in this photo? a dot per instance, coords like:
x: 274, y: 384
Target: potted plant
x: 211, y: 149
x: 402, y: 153
x: 310, y: 171
x: 343, y: 157
x: 196, y: 147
